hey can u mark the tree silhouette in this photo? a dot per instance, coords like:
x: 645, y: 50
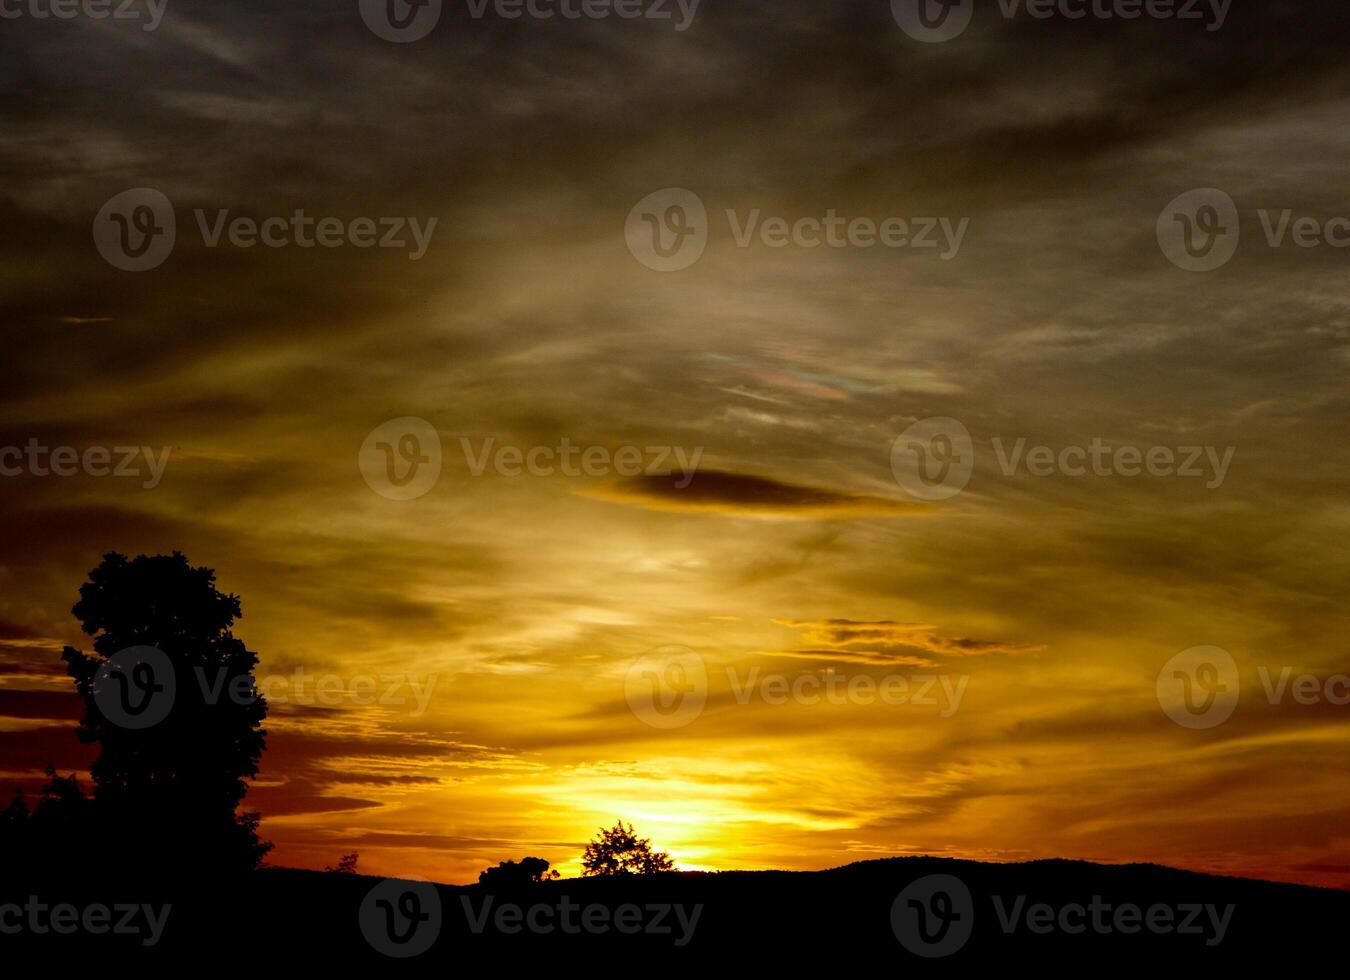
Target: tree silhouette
x: 170, y: 784
x: 620, y: 851
x: 346, y: 864
x: 510, y: 874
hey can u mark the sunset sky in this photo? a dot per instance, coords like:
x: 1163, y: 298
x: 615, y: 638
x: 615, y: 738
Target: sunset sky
x: 517, y: 603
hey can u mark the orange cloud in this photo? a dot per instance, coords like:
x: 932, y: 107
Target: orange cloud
x: 845, y: 635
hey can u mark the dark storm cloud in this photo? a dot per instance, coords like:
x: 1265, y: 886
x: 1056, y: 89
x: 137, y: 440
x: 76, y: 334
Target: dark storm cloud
x: 738, y: 493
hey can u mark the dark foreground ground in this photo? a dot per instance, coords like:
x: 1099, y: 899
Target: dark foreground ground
x: 913, y: 914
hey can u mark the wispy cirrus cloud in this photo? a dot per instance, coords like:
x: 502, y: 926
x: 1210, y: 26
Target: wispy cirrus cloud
x: 876, y: 658
x: 885, y: 637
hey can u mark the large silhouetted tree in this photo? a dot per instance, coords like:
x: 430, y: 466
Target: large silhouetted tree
x: 179, y: 730
x: 620, y: 851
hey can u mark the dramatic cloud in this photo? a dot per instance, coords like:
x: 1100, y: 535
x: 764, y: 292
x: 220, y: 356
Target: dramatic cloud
x: 517, y: 603
x: 750, y: 496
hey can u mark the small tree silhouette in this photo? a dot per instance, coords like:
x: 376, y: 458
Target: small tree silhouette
x: 510, y: 874
x: 169, y: 790
x: 620, y: 851
x: 346, y: 864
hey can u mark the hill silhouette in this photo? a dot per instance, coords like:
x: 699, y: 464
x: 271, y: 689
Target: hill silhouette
x: 159, y: 867
x: 683, y: 921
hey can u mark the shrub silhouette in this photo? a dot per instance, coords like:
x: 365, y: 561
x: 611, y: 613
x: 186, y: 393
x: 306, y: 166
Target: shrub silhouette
x: 167, y: 794
x: 510, y: 874
x: 346, y: 864
x: 620, y: 851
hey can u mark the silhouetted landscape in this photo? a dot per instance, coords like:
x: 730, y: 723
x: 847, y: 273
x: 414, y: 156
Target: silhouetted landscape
x: 750, y: 919
x: 160, y: 845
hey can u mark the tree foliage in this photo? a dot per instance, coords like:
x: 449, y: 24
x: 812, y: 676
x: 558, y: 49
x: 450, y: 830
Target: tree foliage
x: 346, y: 864
x: 166, y: 795
x: 513, y: 874
x: 619, y: 850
